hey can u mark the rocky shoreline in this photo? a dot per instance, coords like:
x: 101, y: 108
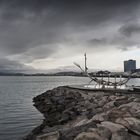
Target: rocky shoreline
x: 74, y: 114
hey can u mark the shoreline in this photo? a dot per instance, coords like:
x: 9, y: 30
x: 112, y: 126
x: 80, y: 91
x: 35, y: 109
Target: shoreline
x: 132, y: 77
x: 77, y: 74
x: 73, y: 114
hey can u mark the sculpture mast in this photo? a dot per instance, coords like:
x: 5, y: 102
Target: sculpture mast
x: 85, y: 63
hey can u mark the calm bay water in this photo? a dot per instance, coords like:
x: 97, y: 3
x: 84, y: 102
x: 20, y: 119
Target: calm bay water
x: 17, y: 114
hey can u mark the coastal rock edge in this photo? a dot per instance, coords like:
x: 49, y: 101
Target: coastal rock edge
x: 74, y: 114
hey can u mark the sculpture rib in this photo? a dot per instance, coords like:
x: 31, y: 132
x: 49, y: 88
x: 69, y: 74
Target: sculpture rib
x: 103, y: 82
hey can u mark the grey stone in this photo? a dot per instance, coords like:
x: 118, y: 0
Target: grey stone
x: 101, y: 131
x: 99, y: 117
x: 137, y: 100
x: 130, y: 123
x: 71, y: 133
x: 88, y: 136
x: 49, y: 136
x: 109, y: 105
x: 84, y: 115
x: 113, y: 127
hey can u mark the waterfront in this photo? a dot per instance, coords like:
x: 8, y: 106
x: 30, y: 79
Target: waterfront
x: 17, y: 114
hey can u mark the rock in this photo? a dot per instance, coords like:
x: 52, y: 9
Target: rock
x: 130, y: 99
x: 98, y: 96
x: 121, y: 100
x: 99, y: 118
x: 120, y: 135
x: 132, y: 107
x: 72, y: 114
x: 87, y: 103
x: 134, y: 137
x: 112, y: 98
x: 137, y: 100
x: 101, y: 103
x: 59, y: 105
x: 113, y: 127
x: 65, y: 118
x: 115, y: 113
x: 90, y: 112
x: 99, y: 110
x: 109, y: 105
x: 101, y: 131
x: 137, y: 114
x: 49, y: 136
x: 70, y: 134
x: 130, y: 123
x: 81, y: 122
x: 119, y: 132
x: 88, y: 136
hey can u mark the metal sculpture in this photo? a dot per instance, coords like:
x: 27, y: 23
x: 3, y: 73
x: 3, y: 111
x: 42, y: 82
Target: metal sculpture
x: 101, y: 82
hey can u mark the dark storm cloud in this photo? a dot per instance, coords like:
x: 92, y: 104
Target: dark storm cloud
x: 38, y: 53
x: 98, y: 42
x: 6, y: 64
x: 34, y: 29
x: 130, y: 29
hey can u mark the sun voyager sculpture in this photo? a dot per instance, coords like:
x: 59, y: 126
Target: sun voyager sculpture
x: 104, y: 83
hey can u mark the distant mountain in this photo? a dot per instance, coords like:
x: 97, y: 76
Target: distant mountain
x: 9, y: 73
x: 69, y: 73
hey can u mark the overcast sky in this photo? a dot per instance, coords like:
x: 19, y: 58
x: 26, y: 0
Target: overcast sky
x: 52, y: 34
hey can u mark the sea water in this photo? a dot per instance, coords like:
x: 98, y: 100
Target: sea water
x: 18, y: 116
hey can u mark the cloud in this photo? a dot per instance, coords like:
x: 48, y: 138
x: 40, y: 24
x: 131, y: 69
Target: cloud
x: 98, y: 42
x: 6, y: 64
x: 34, y: 29
x: 40, y: 52
x: 129, y: 29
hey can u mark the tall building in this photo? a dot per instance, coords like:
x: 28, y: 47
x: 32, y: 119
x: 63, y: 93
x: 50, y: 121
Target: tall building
x: 129, y: 65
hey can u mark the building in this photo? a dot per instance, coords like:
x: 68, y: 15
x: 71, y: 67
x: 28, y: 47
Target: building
x: 129, y: 65
x: 137, y: 70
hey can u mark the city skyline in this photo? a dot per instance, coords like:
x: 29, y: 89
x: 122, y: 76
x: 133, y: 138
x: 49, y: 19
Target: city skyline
x: 50, y: 34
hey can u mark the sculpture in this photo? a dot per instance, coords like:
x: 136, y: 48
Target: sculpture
x: 101, y: 82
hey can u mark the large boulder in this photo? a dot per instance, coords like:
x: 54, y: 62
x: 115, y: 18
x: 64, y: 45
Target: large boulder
x: 132, y: 124
x: 70, y: 134
x: 119, y: 132
x: 133, y: 108
x: 59, y: 105
x: 89, y: 136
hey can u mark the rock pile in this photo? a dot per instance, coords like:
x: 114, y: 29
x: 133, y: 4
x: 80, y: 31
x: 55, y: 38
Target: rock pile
x: 72, y: 114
